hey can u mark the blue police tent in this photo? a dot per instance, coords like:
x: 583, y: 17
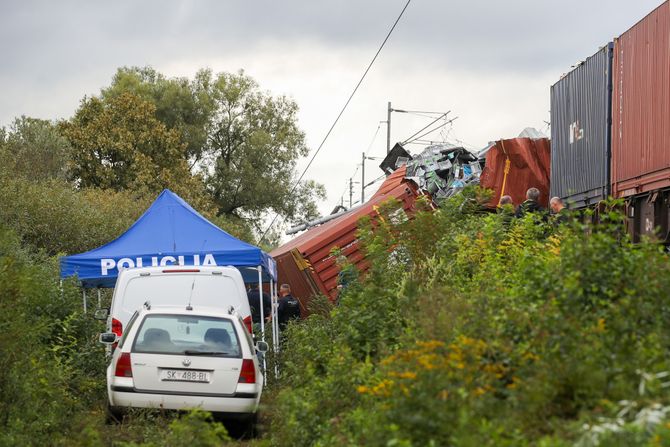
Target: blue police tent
x: 170, y: 232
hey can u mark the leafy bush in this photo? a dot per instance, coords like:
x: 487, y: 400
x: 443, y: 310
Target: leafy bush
x: 471, y: 329
x: 51, y: 368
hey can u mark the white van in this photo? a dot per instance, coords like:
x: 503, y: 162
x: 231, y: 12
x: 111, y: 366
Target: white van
x: 202, y: 286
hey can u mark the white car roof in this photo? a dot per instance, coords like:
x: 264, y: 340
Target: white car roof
x: 200, y: 311
x: 206, y: 269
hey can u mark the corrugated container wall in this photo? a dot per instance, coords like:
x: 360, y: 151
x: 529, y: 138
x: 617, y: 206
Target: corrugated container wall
x: 515, y: 165
x: 306, y: 262
x: 580, y: 131
x: 641, y: 106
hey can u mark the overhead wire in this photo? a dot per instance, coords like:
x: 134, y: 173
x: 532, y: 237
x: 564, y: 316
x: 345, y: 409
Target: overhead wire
x: 373, y: 138
x: 418, y: 111
x: 425, y: 127
x: 430, y: 131
x: 358, y: 165
x: 339, y: 115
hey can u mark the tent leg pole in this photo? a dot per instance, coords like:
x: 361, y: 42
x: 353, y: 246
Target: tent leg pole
x: 99, y: 300
x: 83, y: 292
x: 276, y: 320
x: 260, y: 293
x: 273, y: 315
x: 277, y: 330
x: 273, y: 312
x: 260, y: 299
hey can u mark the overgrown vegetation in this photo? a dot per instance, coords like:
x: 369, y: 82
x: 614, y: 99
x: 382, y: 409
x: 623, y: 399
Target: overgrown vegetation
x: 469, y: 329
x: 472, y: 330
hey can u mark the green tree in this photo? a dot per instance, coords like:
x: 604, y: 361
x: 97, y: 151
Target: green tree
x: 181, y: 104
x: 34, y: 148
x: 244, y: 141
x: 118, y: 143
x: 254, y: 142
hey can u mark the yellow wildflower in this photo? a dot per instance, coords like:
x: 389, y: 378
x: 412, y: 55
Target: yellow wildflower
x: 530, y: 356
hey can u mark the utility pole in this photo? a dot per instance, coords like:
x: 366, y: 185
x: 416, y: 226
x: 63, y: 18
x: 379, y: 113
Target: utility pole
x: 363, y: 178
x: 351, y: 191
x: 388, y: 128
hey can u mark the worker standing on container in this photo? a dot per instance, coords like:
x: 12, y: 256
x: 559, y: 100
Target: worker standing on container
x: 531, y: 205
x: 561, y: 215
x: 289, y: 307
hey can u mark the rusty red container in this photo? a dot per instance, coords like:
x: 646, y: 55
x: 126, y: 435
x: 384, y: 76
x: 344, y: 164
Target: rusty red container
x: 641, y: 106
x: 515, y: 165
x: 306, y: 263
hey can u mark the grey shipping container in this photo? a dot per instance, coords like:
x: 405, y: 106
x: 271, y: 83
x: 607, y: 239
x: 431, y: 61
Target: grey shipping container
x: 581, y: 104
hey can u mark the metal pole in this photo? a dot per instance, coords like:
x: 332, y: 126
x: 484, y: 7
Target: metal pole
x: 351, y: 191
x: 99, y: 301
x: 274, y: 312
x: 83, y: 291
x: 276, y: 323
x: 260, y: 298
x: 388, y: 127
x: 277, y: 319
x: 363, y: 179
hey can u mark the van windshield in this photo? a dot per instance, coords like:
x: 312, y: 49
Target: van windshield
x: 187, y: 335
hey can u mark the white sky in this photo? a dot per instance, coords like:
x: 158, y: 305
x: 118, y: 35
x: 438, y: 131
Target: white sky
x: 490, y: 62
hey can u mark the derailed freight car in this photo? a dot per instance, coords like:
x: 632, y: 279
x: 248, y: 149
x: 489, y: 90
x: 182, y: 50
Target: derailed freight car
x: 580, y: 132
x: 640, y: 160
x: 306, y: 262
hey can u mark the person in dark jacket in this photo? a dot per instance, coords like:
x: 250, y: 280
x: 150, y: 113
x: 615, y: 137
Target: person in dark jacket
x: 561, y: 215
x: 288, y: 306
x: 506, y: 209
x: 531, y: 205
x: 254, y: 298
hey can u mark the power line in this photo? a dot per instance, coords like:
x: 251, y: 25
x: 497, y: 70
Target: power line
x: 381, y: 177
x: 422, y: 115
x: 339, y: 115
x: 417, y: 111
x: 373, y: 138
x: 432, y: 130
x: 426, y: 127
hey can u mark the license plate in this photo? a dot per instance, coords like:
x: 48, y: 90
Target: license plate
x: 181, y: 375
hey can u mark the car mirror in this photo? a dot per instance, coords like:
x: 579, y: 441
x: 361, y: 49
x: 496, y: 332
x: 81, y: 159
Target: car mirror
x: 108, y: 338
x: 262, y: 346
x: 101, y: 314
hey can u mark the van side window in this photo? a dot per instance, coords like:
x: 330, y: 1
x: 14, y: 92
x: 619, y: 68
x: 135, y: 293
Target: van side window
x: 127, y: 331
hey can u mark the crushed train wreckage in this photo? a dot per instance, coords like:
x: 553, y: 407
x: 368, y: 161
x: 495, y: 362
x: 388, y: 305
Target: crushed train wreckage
x: 507, y: 167
x: 440, y: 170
